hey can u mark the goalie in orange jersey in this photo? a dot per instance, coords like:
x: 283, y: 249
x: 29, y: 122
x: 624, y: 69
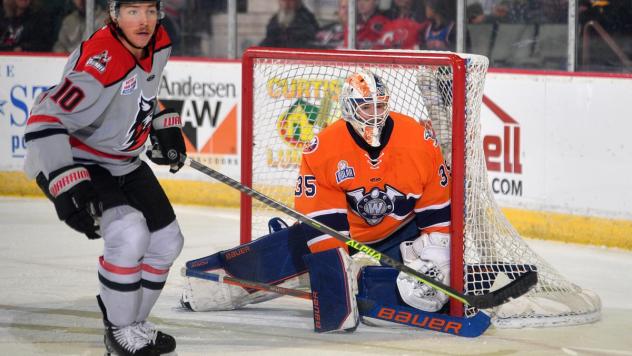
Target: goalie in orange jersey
x: 376, y: 175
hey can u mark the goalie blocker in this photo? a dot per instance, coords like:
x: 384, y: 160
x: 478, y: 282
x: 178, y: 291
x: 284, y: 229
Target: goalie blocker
x: 279, y: 259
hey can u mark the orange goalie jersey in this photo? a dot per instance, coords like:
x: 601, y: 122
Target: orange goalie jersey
x: 369, y: 191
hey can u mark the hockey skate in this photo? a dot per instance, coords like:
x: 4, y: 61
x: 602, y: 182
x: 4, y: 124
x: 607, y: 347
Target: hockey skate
x: 164, y: 343
x: 127, y: 341
x: 140, y: 338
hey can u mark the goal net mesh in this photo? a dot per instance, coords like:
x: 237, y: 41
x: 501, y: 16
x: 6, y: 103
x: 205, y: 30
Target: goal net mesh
x: 295, y: 99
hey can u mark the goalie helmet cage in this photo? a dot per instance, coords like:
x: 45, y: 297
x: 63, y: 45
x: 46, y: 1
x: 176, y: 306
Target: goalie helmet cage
x: 289, y: 95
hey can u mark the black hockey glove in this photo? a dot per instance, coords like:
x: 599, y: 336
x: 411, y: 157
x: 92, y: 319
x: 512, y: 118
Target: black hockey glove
x: 167, y: 142
x: 75, y: 199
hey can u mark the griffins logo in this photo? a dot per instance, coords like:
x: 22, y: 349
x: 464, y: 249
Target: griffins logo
x: 139, y: 131
x: 375, y: 205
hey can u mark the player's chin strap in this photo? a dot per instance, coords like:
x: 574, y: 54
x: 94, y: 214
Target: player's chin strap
x: 513, y: 289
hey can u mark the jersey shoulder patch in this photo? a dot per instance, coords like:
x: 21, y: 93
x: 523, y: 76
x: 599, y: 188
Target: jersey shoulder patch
x: 105, y: 58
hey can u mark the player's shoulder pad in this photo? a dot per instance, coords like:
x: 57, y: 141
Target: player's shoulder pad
x: 330, y: 137
x: 409, y: 130
x: 406, y: 123
x: 105, y: 58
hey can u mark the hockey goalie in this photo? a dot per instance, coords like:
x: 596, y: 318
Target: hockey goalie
x: 378, y: 176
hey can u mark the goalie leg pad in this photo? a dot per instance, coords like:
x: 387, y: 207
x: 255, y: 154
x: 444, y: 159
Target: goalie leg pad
x: 274, y: 259
x: 333, y: 291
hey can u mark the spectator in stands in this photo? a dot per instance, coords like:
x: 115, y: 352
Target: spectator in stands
x: 406, y: 26
x: 474, y: 14
x: 369, y: 24
x: 333, y: 35
x: 440, y: 35
x: 24, y: 29
x: 407, y: 9
x: 292, y: 26
x: 73, y: 27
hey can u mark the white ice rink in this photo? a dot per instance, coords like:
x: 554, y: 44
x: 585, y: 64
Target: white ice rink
x: 48, y: 307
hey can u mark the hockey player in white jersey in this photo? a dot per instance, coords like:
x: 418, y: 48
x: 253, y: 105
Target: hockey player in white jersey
x: 84, y: 138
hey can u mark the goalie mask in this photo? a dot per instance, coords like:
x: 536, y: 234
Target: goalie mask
x: 364, y: 104
x: 115, y: 5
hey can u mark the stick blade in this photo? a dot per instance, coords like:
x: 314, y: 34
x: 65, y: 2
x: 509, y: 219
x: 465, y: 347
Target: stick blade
x: 515, y: 289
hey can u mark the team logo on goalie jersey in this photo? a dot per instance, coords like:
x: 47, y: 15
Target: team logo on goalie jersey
x: 311, y: 146
x: 344, y: 172
x: 375, y: 205
x: 429, y: 134
x: 99, y: 61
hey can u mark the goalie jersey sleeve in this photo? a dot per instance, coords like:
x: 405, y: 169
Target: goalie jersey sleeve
x: 342, y: 186
x: 101, y: 110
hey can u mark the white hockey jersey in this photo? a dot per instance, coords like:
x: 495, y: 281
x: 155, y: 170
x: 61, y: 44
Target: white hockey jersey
x: 101, y: 111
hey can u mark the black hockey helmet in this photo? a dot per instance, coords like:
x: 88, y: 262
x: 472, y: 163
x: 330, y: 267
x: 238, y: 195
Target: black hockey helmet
x: 115, y: 5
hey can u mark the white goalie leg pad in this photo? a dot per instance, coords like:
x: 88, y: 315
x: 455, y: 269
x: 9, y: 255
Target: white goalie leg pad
x: 205, y: 295
x: 430, y: 255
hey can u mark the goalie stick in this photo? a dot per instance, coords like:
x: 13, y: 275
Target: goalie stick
x: 514, y: 289
x: 245, y: 284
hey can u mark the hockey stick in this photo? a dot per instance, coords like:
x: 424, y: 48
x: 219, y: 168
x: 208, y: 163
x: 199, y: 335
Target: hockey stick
x: 246, y: 284
x: 514, y: 289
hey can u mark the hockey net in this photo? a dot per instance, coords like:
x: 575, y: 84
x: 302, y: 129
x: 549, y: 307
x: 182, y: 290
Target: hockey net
x: 289, y: 96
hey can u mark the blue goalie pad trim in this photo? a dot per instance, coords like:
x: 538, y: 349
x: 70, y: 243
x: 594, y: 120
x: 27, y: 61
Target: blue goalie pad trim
x: 467, y: 327
x: 330, y: 292
x: 378, y: 297
x: 270, y: 259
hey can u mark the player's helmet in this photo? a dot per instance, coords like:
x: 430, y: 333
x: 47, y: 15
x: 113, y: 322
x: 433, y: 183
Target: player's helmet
x: 364, y: 104
x: 115, y: 5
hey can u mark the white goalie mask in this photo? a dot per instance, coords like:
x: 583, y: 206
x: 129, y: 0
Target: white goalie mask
x: 364, y: 104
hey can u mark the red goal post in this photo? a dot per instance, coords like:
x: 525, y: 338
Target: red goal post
x: 451, y: 60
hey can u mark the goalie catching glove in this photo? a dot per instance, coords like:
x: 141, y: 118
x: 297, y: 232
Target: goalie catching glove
x: 430, y: 255
x: 168, y: 148
x: 75, y: 199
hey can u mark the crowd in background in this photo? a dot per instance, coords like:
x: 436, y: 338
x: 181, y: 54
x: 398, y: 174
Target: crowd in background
x: 59, y: 25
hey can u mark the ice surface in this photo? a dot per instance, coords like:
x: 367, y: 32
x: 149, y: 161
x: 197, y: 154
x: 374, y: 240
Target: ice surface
x: 48, y: 283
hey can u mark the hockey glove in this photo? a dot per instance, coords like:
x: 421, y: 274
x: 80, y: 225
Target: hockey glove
x: 75, y: 199
x: 167, y: 142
